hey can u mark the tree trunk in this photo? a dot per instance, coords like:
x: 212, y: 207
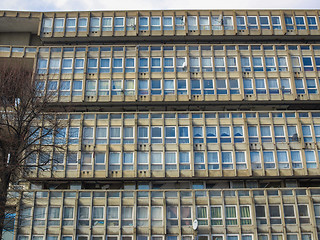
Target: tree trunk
x: 4, y: 185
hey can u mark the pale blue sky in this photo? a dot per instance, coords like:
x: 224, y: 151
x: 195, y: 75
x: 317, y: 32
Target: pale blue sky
x: 83, y: 5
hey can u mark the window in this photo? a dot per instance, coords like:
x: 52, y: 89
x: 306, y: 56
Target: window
x: 299, y: 86
x: 99, y: 161
x: 195, y: 86
x: 260, y: 86
x: 226, y: 159
x: 296, y: 159
x: 143, y: 135
x: 94, y: 24
x: 130, y: 23
x: 311, y: 85
x: 83, y: 216
x: 127, y: 216
x: 317, y: 213
x: 216, y: 22
x: 317, y: 132
x: 307, y: 135
x: 82, y: 24
x: 156, y: 134
x: 91, y: 88
x: 310, y: 159
x: 276, y: 22
x: 273, y: 86
x: 225, y: 135
x: 143, y: 23
x: 168, y: 64
x: 172, y: 215
x: 289, y: 23
x: 208, y: 87
x: 300, y: 23
x: 118, y: 24
x: 268, y: 158
x: 247, y: 86
x: 156, y: 216
x: 47, y: 25
x: 257, y: 64
x: 213, y: 160
x: 156, y: 161
x: 279, y: 133
x: 170, y: 134
x: 78, y: 65
x: 303, y: 214
x: 182, y: 87
x: 103, y: 89
x: 155, y: 23
x: 238, y: 134
x: 42, y: 65
x: 184, y: 160
x: 231, y: 215
x: 261, y: 215
x: 282, y: 64
x: 253, y: 134
x: 312, y: 22
x: 199, y: 161
x: 307, y: 63
x: 207, y: 64
x: 97, y: 216
x: 232, y: 64
x: 216, y: 215
x: 202, y: 215
x: 117, y: 65
x: 221, y: 86
x: 296, y: 66
x: 219, y: 64
x: 93, y: 65
x: 289, y: 214
x: 265, y: 133
x: 143, y: 161
x: 194, y: 64
x: 179, y: 23
x: 167, y: 23
x: 255, y: 160
x: 285, y: 86
x: 252, y: 22
x: 245, y: 215
x: 114, y: 161
x: 228, y: 22
x: 264, y: 22
x: 144, y: 64
x: 274, y: 213
x: 204, y: 23
x: 142, y: 216
x: 192, y: 23
x: 115, y: 135
x: 241, y: 23
x: 181, y: 64
x: 245, y: 64
x: 270, y: 64
x: 197, y: 134
x: 58, y: 25
x: 107, y: 24
x: 155, y: 64
x: 211, y: 133
x: 113, y: 216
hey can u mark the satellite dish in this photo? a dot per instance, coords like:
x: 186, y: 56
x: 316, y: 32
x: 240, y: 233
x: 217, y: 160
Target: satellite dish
x: 195, y: 224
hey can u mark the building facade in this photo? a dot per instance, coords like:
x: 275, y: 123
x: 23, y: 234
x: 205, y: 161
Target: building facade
x: 191, y: 125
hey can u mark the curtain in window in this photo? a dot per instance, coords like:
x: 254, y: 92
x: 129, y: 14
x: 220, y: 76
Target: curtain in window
x: 83, y: 212
x: 219, y: 62
x: 97, y: 212
x: 201, y: 212
x: 245, y: 213
x: 127, y: 212
x: 112, y: 213
x: 216, y: 213
x: 54, y: 212
x: 211, y: 132
x: 114, y: 132
x: 231, y: 214
x: 237, y: 131
x: 170, y: 157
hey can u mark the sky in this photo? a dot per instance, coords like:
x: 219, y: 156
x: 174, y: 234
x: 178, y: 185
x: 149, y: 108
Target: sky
x: 89, y: 5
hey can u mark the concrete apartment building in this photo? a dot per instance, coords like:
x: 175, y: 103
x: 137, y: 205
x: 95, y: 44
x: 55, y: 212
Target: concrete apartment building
x: 180, y: 125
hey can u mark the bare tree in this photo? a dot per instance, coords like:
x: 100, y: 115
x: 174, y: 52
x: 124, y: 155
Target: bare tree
x: 24, y: 124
